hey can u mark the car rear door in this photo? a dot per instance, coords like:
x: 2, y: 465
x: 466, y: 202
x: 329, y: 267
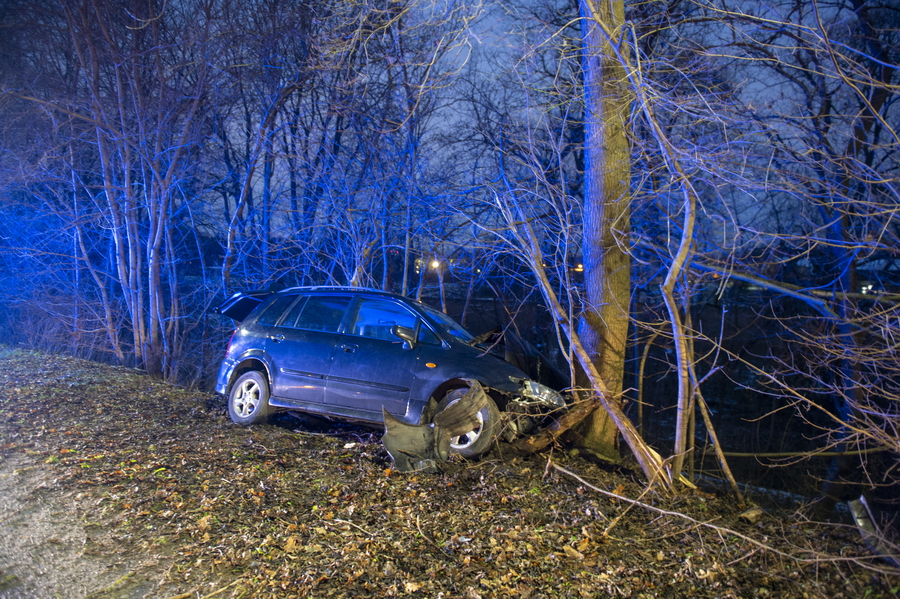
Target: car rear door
x: 303, y: 345
x: 371, y: 368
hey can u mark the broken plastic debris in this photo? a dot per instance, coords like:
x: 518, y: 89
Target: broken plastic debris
x: 416, y: 447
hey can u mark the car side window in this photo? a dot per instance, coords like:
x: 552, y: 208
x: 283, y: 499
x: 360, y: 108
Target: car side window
x: 323, y: 313
x: 375, y: 317
x: 427, y: 336
x: 290, y: 318
x: 271, y: 314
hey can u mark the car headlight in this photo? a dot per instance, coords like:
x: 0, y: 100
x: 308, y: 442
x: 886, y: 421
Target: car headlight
x: 532, y: 391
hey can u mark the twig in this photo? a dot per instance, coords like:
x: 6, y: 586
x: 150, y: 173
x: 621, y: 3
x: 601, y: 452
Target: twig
x: 222, y: 590
x: 810, y: 454
x: 117, y: 583
x: 421, y: 532
x: 742, y: 558
x: 620, y: 516
x: 351, y: 524
x: 547, y: 467
x: 684, y: 530
x: 427, y: 538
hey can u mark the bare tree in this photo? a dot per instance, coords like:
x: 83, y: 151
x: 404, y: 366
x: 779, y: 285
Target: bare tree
x: 799, y: 96
x: 131, y: 112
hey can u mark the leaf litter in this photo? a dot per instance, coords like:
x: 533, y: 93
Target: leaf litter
x: 116, y: 485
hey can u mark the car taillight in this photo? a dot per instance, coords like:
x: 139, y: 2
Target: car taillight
x: 230, y: 341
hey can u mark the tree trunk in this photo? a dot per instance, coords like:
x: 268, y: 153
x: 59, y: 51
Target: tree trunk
x: 604, y: 324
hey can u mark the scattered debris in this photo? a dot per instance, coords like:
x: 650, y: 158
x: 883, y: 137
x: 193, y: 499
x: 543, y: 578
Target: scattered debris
x: 753, y: 515
x: 873, y: 534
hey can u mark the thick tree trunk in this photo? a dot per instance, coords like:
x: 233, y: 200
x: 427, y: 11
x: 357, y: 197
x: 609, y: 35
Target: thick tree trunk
x: 604, y: 324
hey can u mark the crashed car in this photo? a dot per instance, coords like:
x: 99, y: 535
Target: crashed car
x: 350, y: 353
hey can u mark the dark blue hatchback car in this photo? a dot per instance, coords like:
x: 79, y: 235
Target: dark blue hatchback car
x: 347, y: 352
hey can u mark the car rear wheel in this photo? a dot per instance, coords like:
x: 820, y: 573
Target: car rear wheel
x: 248, y: 401
x: 478, y: 440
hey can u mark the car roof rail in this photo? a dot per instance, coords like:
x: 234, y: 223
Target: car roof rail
x: 332, y: 287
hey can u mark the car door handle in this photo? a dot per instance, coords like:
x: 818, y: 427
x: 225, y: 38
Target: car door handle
x: 349, y: 347
x: 277, y: 338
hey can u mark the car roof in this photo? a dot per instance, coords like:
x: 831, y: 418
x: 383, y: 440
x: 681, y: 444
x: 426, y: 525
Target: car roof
x: 342, y: 288
x: 242, y: 303
x: 239, y: 305
x: 330, y: 288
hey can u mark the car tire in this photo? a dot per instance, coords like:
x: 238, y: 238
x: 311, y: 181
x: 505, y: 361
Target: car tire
x: 477, y: 441
x: 248, y: 400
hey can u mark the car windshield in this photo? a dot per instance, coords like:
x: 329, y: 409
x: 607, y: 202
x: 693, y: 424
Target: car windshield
x: 448, y: 325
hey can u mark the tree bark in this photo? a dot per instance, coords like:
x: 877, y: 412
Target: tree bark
x: 603, y: 327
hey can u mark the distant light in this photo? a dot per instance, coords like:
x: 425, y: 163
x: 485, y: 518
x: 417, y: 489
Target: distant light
x: 435, y: 264
x: 867, y: 289
x: 579, y: 268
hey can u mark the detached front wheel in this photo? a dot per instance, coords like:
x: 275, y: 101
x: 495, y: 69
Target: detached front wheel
x: 248, y: 401
x: 477, y: 441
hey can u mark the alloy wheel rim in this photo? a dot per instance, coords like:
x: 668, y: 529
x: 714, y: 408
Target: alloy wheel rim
x: 247, y: 399
x: 468, y: 439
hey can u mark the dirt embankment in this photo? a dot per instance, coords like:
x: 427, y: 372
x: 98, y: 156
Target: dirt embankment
x: 113, y: 485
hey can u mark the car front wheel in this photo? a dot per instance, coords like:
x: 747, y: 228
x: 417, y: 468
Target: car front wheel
x: 248, y: 401
x: 477, y: 441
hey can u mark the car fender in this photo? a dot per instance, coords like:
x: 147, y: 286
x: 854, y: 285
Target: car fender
x: 456, y: 379
x: 243, y: 362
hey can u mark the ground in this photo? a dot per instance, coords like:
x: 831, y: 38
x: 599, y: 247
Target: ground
x: 114, y: 485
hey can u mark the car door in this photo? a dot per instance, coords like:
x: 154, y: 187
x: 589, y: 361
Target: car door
x: 302, y: 347
x: 371, y: 366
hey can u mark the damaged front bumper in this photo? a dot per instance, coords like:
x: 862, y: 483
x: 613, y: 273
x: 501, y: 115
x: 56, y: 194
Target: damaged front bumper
x: 420, y: 447
x: 534, y: 394
x: 530, y: 408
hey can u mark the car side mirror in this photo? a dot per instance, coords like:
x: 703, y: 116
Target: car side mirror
x: 406, y: 334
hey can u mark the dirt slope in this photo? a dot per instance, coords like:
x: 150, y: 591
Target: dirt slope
x: 113, y: 485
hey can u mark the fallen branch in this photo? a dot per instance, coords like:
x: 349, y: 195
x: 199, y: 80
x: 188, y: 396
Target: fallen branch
x: 809, y: 454
x: 551, y: 433
x: 861, y: 560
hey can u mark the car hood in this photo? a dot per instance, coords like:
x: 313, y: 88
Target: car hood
x: 486, y: 366
x: 514, y: 350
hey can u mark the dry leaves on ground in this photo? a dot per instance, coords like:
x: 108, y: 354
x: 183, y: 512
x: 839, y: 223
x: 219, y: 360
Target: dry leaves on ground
x: 168, y: 498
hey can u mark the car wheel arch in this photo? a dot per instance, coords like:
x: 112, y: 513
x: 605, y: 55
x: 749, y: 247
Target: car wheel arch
x: 500, y: 399
x: 248, y: 365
